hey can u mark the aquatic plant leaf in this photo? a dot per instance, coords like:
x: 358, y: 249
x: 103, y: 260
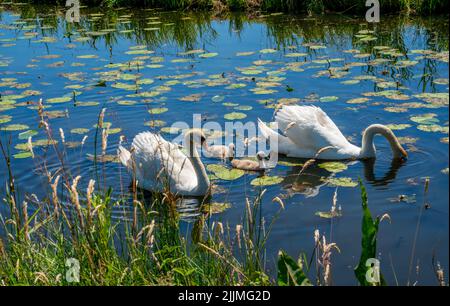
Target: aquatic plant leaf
x: 396, y: 109
x: 208, y: 55
x: 369, y: 231
x: 342, y: 182
x: 5, y: 119
x: 243, y: 107
x: 217, y: 98
x: 441, y: 81
x: 425, y: 119
x: 350, y: 82
x: 235, y: 116
x: 171, y: 130
x: 267, y: 51
x: 266, y: 181
x: 328, y: 99
x: 245, y: 53
x: 289, y: 272
x: 334, y: 167
x: 216, y: 207
x: 224, y: 173
x: 107, y: 158
x: 80, y: 131
x: 14, y: 127
x: 59, y: 99
x: 29, y: 133
x: 433, y: 128
x: 328, y: 214
x: 155, y: 123
x: 358, y: 100
x: 230, y: 104
x: 289, y: 164
x: 192, y: 98
x: 158, y: 110
x: 398, y: 126
x: 22, y: 155
x: 125, y: 86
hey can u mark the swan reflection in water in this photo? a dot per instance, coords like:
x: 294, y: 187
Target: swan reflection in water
x: 309, y: 181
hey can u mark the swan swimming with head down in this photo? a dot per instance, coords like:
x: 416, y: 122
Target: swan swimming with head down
x: 154, y: 160
x: 307, y: 129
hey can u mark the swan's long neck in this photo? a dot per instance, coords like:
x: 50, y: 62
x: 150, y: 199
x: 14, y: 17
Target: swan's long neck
x: 368, y: 147
x: 199, y: 168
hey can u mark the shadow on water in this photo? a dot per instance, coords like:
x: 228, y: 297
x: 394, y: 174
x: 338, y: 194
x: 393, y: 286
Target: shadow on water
x: 189, y: 208
x: 309, y: 182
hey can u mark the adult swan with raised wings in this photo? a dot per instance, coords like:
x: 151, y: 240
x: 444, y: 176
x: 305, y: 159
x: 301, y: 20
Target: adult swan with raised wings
x: 155, y: 161
x: 308, y: 129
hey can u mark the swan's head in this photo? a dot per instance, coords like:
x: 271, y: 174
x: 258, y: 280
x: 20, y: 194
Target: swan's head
x: 231, y: 151
x: 260, y: 156
x: 194, y: 137
x: 368, y: 148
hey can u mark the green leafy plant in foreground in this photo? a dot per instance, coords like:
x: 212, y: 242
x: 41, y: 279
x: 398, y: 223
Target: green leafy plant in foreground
x: 290, y: 273
x: 369, y: 229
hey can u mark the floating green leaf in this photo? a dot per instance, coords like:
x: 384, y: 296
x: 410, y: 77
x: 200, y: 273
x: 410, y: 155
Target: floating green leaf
x: 266, y: 180
x: 290, y: 273
x: 328, y: 99
x: 14, y: 127
x: 224, y: 173
x: 158, y: 110
x: 334, y: 167
x: 342, y: 182
x: 235, y: 116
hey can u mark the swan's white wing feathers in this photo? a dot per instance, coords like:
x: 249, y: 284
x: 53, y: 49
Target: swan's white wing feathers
x: 155, y: 158
x: 309, y: 127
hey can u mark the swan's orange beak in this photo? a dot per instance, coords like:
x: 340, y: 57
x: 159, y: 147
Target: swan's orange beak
x: 404, y: 154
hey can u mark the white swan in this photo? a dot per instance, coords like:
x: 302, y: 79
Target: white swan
x: 307, y: 129
x: 218, y: 151
x: 156, y: 161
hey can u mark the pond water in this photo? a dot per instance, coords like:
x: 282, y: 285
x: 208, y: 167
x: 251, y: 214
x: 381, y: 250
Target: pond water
x: 151, y: 68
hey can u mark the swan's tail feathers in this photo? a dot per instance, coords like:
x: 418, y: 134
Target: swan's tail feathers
x: 124, y: 156
x: 266, y: 131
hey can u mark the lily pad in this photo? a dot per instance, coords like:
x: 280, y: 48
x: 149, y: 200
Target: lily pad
x: 342, y: 182
x: 224, y: 173
x: 80, y: 131
x: 235, y: 116
x: 59, y: 99
x: 266, y: 180
x: 334, y: 167
x: 216, y: 207
x: 159, y: 110
x: 328, y: 214
x: 398, y: 126
x: 217, y: 98
x: 328, y: 99
x: 29, y: 133
x: 425, y: 119
x: 208, y: 55
x: 14, y: 127
x: 22, y: 155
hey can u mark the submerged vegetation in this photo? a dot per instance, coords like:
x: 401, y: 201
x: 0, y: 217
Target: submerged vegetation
x: 424, y: 7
